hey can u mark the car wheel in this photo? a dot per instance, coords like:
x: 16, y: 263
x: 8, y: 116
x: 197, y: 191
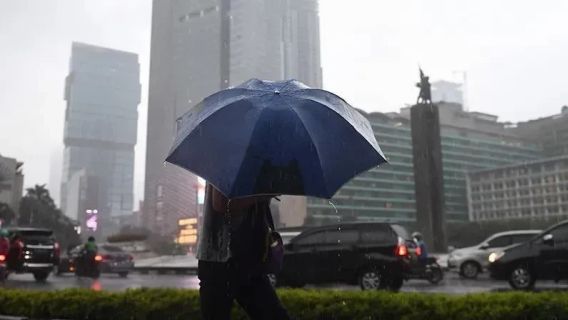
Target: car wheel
x: 370, y: 279
x: 522, y: 278
x: 470, y: 270
x: 123, y: 274
x: 41, y: 276
x: 435, y: 276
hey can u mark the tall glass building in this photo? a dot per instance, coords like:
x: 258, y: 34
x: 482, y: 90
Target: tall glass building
x: 200, y: 47
x: 102, y: 93
x: 470, y: 141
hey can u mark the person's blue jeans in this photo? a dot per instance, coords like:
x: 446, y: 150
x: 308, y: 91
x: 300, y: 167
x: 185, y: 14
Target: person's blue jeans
x: 223, y: 282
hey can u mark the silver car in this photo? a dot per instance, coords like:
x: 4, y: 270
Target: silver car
x: 473, y: 260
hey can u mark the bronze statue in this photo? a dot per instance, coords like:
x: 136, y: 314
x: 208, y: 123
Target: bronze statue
x: 425, y: 95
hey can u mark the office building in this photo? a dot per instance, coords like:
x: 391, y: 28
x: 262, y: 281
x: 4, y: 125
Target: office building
x: 533, y: 189
x: 102, y: 93
x: 200, y: 47
x: 11, y: 182
x: 550, y: 133
x: 471, y: 141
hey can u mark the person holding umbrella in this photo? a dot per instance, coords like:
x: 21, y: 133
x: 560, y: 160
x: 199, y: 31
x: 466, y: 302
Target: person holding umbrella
x: 230, y: 252
x: 251, y: 143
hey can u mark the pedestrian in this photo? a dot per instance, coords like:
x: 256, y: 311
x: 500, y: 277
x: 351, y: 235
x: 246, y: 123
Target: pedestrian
x: 232, y: 244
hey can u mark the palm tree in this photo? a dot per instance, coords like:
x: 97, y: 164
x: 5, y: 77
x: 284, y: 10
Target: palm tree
x: 40, y: 193
x: 6, y: 214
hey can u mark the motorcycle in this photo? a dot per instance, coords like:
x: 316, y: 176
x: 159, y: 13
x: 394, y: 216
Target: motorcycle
x: 428, y: 270
x: 423, y: 269
x: 87, y: 264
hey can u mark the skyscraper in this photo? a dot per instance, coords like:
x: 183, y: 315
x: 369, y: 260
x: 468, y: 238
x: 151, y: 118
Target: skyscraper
x: 199, y: 47
x: 102, y: 93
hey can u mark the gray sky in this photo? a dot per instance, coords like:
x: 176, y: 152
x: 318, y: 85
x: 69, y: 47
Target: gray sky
x: 514, y: 53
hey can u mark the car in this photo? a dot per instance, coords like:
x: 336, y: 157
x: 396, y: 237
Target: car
x: 472, y: 261
x: 112, y: 260
x: 372, y: 255
x: 39, y: 252
x: 544, y: 257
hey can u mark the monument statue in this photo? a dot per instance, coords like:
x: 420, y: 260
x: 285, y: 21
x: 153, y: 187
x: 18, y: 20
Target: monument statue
x: 425, y: 95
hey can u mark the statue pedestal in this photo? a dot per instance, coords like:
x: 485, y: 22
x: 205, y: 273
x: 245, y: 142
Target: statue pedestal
x: 428, y: 175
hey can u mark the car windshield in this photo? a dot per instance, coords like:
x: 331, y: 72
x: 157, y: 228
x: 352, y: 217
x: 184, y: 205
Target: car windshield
x: 402, y: 146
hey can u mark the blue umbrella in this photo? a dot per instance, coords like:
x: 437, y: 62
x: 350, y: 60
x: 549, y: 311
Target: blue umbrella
x: 275, y: 137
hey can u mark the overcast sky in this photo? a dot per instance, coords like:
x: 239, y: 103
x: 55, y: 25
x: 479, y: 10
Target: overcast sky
x: 514, y: 52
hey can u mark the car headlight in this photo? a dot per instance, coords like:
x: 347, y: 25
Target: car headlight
x: 494, y: 256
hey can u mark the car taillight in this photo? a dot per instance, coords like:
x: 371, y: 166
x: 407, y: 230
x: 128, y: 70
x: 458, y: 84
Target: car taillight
x: 98, y: 258
x: 401, y: 250
x: 57, y: 249
x: 2, y: 258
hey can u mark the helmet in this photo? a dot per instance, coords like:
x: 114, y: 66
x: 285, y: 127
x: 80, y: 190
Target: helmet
x: 417, y: 235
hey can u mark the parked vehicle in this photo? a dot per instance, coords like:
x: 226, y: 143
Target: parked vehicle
x: 112, y: 259
x: 373, y: 255
x: 472, y: 261
x: 33, y: 250
x: 544, y: 257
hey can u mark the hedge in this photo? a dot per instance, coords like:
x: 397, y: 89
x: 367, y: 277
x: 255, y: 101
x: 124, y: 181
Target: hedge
x: 165, y: 304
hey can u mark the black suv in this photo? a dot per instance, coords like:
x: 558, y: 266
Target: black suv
x: 545, y: 257
x: 38, y: 255
x: 373, y: 255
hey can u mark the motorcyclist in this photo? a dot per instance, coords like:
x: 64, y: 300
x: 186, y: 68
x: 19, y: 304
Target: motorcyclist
x: 4, y: 250
x: 88, y: 254
x: 91, y: 246
x: 15, y: 255
x: 423, y: 252
x: 4, y: 245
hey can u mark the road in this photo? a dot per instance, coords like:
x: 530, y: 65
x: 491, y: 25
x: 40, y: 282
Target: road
x: 452, y: 284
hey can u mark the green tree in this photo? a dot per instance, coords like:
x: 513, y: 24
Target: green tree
x: 6, y: 214
x: 37, y: 209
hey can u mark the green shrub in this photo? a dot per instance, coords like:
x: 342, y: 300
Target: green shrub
x: 165, y: 304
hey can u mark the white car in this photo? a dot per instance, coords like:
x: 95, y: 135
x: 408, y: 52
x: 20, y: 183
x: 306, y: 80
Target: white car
x: 473, y: 260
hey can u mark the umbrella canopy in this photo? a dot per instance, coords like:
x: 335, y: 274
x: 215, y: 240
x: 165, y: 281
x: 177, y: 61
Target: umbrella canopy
x: 275, y: 137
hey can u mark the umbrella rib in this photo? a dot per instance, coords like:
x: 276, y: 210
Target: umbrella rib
x: 315, y: 146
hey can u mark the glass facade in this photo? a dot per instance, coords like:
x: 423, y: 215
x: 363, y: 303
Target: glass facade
x: 387, y: 193
x: 102, y: 93
x: 381, y: 194
x: 464, y: 151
